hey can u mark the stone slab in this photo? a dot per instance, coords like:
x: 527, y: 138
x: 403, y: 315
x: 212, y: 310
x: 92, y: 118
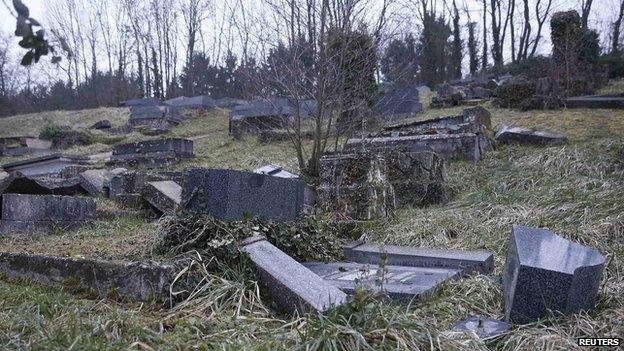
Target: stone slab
x: 545, y: 272
x: 509, y: 134
x: 181, y: 147
x: 275, y: 171
x: 165, y: 196
x: 230, y: 194
x: 400, y: 283
x: 466, y: 261
x: 93, y: 181
x: 160, y: 159
x: 483, y: 327
x: 44, y: 165
x: 21, y: 207
x: 595, y: 102
x: 127, y: 280
x: 294, y: 287
x: 37, y: 185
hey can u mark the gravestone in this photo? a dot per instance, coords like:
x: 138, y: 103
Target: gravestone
x: 483, y: 327
x: 25, y: 213
x: 165, y: 195
x: 93, y: 180
x: 399, y: 103
x: 228, y: 194
x: 400, y: 283
x: 293, y: 286
x: 126, y: 188
x: 545, y: 272
x: 40, y: 185
x: 596, y: 101
x: 465, y: 261
x: 45, y: 165
x: 152, y: 153
x: 275, y: 171
x: 510, y: 134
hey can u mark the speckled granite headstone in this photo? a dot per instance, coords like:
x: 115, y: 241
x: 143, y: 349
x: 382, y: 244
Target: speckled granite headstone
x: 544, y: 271
x: 294, y: 287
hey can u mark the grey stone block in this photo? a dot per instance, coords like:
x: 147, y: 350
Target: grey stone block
x: 45, y: 165
x: 294, y: 287
x: 483, y: 327
x: 94, y: 180
x: 126, y: 188
x: 20, y: 207
x: 606, y: 102
x: 129, y: 280
x: 229, y: 194
x: 465, y: 261
x: 544, y: 271
x: 165, y: 196
x: 400, y: 283
x: 181, y: 147
x: 508, y: 134
x: 275, y: 171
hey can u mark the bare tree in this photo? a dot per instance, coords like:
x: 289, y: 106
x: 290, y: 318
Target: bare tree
x: 194, y: 13
x: 585, y: 11
x: 615, y: 36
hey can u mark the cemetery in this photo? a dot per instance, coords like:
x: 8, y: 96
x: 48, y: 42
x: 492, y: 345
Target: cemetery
x: 485, y: 212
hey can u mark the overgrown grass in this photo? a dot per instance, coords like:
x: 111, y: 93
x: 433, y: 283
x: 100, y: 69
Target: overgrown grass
x: 575, y: 190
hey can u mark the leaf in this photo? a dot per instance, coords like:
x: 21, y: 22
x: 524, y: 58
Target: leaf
x: 56, y: 59
x: 28, y: 57
x: 40, y: 33
x: 22, y: 29
x: 21, y: 9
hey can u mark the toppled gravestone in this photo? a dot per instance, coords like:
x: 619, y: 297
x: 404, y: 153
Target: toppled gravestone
x: 126, y: 188
x: 228, y: 194
x: 154, y: 117
x: 367, y: 186
x: 108, y: 279
x: 275, y: 171
x: 41, y: 213
x: 165, y: 195
x: 400, y: 283
x: 465, y: 261
x: 18, y: 183
x: 49, y: 165
x: 152, y: 153
x: 294, y: 287
x: 545, y: 272
x: 612, y: 101
x: 512, y: 134
x: 97, y: 181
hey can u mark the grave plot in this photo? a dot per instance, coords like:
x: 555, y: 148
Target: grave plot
x: 27, y: 214
x: 545, y: 272
x: 152, y: 153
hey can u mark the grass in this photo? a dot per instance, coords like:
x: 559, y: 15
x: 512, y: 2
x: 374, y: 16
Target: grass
x: 575, y: 190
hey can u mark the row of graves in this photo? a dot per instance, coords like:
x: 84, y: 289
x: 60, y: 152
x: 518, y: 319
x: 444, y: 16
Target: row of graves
x: 401, y: 165
x: 274, y: 118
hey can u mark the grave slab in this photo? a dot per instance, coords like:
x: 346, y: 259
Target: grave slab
x: 165, y: 196
x: 294, y: 287
x: 403, y: 284
x: 509, y: 134
x: 466, y: 261
x: 93, y: 181
x: 125, y: 188
x: 44, y: 165
x: 275, y: 171
x: 545, y: 272
x: 229, y: 194
x: 152, y: 153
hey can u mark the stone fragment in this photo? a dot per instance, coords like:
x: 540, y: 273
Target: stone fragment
x: 275, y: 171
x: 230, y: 194
x: 399, y: 103
x: 465, y: 261
x: 596, y: 101
x: 510, y: 134
x: 545, y: 272
x: 25, y: 213
x: 125, y: 188
x: 400, y: 283
x: 40, y: 185
x: 108, y: 279
x: 483, y: 327
x: 294, y: 287
x: 152, y: 153
x: 45, y: 165
x: 165, y: 196
x: 93, y: 181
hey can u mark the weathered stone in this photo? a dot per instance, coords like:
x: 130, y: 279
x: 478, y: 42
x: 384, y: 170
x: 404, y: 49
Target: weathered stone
x: 399, y: 103
x: 152, y: 116
x: 275, y: 171
x: 483, y: 327
x: 25, y: 213
x: 467, y: 146
x: 165, y: 196
x: 202, y: 102
x: 545, y: 272
x: 108, y: 279
x: 141, y: 102
x: 596, y: 101
x: 37, y: 144
x: 48, y: 165
x: 125, y: 188
x: 464, y: 261
x: 152, y: 153
x: 66, y: 137
x: 400, y: 283
x: 93, y: 181
x: 40, y: 185
x: 103, y: 124
x: 510, y: 134
x: 294, y: 287
x: 230, y: 194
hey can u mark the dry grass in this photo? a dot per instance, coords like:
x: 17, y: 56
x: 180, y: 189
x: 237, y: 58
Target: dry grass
x: 575, y: 190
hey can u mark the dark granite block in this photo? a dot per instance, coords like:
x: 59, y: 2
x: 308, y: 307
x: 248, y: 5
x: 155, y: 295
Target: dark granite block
x: 293, y: 287
x: 181, y: 147
x: 20, y: 207
x: 544, y: 271
x: 466, y: 261
x: 606, y: 102
x: 508, y: 134
x: 229, y: 194
x: 400, y: 283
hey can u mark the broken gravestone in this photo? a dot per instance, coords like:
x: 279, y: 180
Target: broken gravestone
x: 228, y: 194
x: 45, y: 165
x: 152, y: 153
x: 40, y: 185
x: 275, y: 171
x: 293, y: 286
x: 126, y: 188
x: 96, y: 181
x: 483, y: 327
x: 165, y: 195
x: 545, y: 272
x: 41, y: 213
x: 465, y: 261
x: 510, y: 134
x: 401, y: 283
